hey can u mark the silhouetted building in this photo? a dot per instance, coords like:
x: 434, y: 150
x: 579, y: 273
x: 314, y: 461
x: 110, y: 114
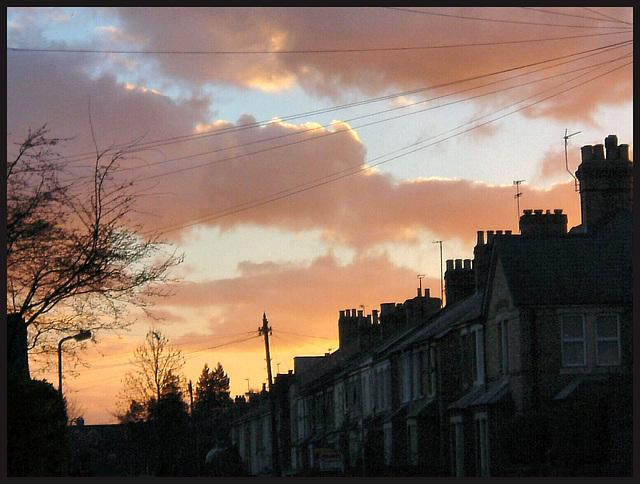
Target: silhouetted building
x: 527, y: 371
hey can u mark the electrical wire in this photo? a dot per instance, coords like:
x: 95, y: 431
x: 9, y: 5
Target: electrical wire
x: 349, y: 171
x: 503, y: 21
x: 601, y: 17
x: 142, y: 146
x: 349, y: 121
x: 309, y: 51
x: 600, y: 50
x: 313, y: 184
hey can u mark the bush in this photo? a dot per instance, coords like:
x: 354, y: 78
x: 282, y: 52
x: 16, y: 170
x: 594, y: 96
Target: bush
x: 36, y: 429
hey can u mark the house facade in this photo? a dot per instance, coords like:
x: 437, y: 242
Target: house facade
x: 527, y: 370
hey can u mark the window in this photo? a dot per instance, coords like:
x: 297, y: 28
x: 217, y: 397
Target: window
x: 482, y: 444
x: 503, y: 340
x: 415, y: 375
x: 473, y: 354
x: 386, y: 388
x: 412, y: 440
x: 387, y: 437
x: 573, y: 340
x: 457, y: 444
x: 383, y: 388
x: 405, y: 368
x: 339, y: 404
x: 367, y: 396
x: 432, y: 369
x: 428, y: 371
x: 590, y: 340
x: 607, y: 340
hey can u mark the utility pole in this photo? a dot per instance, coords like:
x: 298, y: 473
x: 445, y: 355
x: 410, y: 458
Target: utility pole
x: 265, y: 331
x: 441, y: 277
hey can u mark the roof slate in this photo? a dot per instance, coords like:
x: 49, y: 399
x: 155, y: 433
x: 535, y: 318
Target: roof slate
x: 592, y: 268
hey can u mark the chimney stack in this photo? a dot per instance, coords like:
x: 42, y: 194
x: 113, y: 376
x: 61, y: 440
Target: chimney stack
x: 606, y: 181
x: 459, y: 279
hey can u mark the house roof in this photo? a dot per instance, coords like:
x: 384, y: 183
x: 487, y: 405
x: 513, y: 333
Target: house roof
x: 481, y: 396
x: 591, y: 268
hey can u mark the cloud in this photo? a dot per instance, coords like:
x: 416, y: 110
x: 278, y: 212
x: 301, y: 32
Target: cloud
x: 312, y: 176
x: 486, y: 40
x: 281, y: 175
x: 281, y: 290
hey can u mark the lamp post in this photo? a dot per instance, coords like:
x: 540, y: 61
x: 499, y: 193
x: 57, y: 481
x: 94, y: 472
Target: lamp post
x: 81, y: 336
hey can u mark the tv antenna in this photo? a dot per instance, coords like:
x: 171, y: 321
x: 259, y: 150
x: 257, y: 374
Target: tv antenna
x: 566, y: 157
x: 518, y: 194
x: 441, y: 278
x: 420, y: 277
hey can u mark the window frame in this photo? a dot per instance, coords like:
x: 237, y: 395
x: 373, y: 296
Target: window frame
x: 405, y: 376
x: 457, y: 446
x: 573, y: 340
x: 608, y: 339
x: 413, y: 455
x: 503, y: 343
x: 473, y: 348
x: 481, y: 424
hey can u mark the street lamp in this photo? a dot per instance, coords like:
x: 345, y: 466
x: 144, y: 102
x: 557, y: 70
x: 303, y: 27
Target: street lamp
x: 81, y: 336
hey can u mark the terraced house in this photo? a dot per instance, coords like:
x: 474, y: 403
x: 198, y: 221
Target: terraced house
x: 527, y: 370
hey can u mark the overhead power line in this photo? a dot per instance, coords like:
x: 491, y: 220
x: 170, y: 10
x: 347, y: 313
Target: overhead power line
x: 601, y: 17
x: 331, y: 133
x: 308, y: 51
x: 143, y: 146
x: 496, y: 20
x: 358, y: 169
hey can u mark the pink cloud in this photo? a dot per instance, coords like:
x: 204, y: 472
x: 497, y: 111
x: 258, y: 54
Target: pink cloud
x: 308, y: 29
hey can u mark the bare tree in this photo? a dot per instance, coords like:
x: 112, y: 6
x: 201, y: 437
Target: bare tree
x: 75, y: 257
x: 157, y: 373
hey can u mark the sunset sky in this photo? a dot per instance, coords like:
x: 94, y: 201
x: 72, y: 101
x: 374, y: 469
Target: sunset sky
x: 306, y: 159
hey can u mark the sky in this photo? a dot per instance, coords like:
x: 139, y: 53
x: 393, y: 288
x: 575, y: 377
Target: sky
x: 306, y: 159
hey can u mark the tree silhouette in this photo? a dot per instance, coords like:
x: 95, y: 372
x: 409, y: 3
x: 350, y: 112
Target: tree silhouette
x: 155, y: 408
x: 156, y: 374
x: 211, y: 410
x: 169, y: 420
x: 212, y: 392
x: 75, y: 257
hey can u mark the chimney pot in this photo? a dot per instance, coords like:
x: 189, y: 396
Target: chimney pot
x: 598, y: 152
x: 611, y: 145
x: 623, y: 152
